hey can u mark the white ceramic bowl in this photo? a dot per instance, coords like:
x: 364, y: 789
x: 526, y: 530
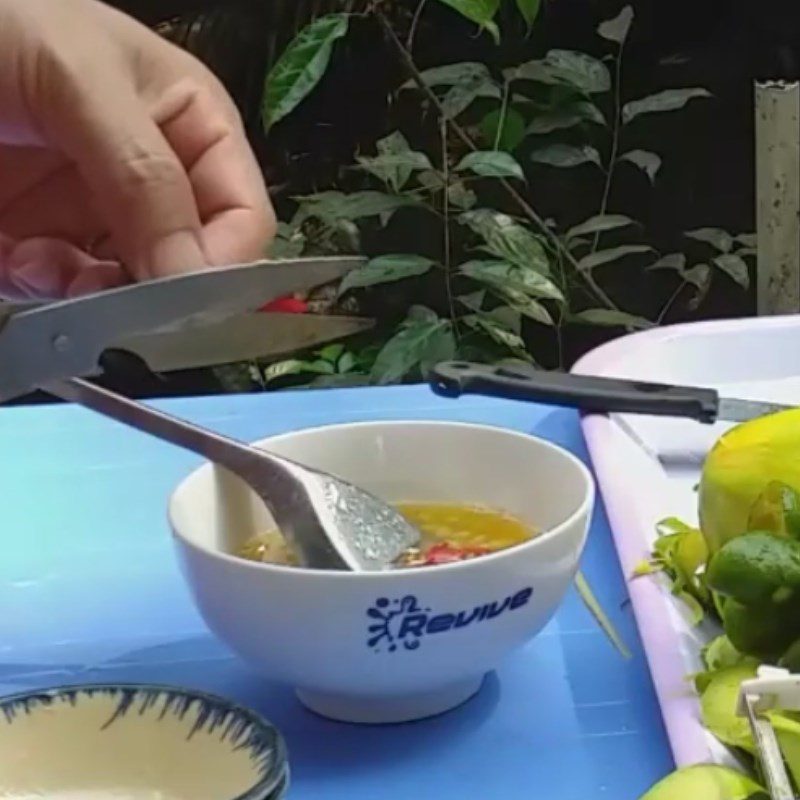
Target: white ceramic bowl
x: 405, y: 644
x: 136, y: 742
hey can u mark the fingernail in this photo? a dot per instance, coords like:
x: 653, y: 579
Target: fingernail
x: 36, y: 277
x: 178, y: 252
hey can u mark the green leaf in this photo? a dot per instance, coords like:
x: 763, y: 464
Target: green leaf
x: 289, y: 242
x: 507, y: 316
x: 454, y: 74
x: 721, y: 654
x: 696, y: 610
x: 461, y: 197
x: 567, y: 117
x: 458, y: 194
x: 407, y: 349
x: 395, y: 161
x: 536, y: 71
x: 385, y: 269
x: 648, y: 162
x: 281, y: 369
x: 599, y: 224
x: 333, y: 206
x: 474, y: 300
x: 749, y: 240
x: 676, y: 261
x: 530, y: 10
x: 668, y: 100
x: 507, y: 239
x: 491, y: 164
x: 301, y: 67
x: 644, y: 568
x: 580, y: 70
x: 608, y: 318
x: 502, y: 275
x: 496, y: 331
x: 735, y: 267
x: 523, y: 303
x: 566, y: 155
x: 617, y: 29
x: 584, y: 72
x: 614, y: 254
x: 292, y: 366
x: 467, y: 81
x: 716, y: 237
x: 596, y: 610
x: 332, y: 352
x: 441, y: 347
x: 347, y: 363
x: 461, y: 96
x: 566, y: 68
x: 419, y: 314
x: 698, y: 276
x: 481, y: 12
x: 511, y: 135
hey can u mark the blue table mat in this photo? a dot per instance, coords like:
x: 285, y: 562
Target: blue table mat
x: 90, y: 592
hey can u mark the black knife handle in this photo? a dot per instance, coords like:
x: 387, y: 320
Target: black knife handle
x: 587, y: 393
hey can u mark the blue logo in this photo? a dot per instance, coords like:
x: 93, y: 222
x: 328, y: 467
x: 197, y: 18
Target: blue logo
x: 403, y: 622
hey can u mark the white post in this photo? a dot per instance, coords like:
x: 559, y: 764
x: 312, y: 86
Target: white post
x: 777, y: 106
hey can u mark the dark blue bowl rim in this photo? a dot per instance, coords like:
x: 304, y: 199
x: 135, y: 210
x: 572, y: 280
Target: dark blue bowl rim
x: 266, y: 731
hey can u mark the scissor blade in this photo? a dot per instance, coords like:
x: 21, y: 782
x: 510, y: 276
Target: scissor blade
x: 65, y: 339
x: 241, y: 338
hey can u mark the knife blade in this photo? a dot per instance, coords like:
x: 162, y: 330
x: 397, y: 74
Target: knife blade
x: 245, y: 337
x: 39, y: 344
x: 596, y: 394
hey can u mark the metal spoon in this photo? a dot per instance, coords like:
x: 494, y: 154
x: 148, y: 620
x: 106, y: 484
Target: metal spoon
x: 330, y: 523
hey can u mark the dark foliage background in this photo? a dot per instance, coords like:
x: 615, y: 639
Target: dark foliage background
x: 722, y: 45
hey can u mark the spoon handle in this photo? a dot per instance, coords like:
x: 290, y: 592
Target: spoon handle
x: 237, y: 457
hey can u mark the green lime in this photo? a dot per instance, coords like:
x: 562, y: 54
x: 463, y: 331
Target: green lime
x: 761, y: 631
x: 758, y: 568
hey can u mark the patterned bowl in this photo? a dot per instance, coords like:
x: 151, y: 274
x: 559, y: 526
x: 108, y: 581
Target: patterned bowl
x: 136, y: 742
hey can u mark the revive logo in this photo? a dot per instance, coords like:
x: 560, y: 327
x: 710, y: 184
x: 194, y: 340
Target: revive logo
x: 402, y: 622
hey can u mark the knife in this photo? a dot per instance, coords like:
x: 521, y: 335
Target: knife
x: 44, y: 343
x: 589, y: 393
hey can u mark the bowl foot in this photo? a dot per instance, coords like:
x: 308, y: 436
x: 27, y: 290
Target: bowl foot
x: 385, y: 710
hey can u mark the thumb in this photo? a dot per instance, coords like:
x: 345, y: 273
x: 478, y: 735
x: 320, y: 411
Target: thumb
x: 140, y: 188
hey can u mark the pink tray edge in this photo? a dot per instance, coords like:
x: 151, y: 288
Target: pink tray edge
x: 689, y: 740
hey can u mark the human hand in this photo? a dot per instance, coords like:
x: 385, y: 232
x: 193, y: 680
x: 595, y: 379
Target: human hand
x: 121, y: 156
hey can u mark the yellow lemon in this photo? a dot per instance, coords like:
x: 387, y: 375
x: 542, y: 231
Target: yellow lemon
x: 739, y: 468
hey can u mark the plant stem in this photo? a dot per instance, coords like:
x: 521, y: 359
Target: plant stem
x: 501, y: 122
x: 518, y: 199
x: 562, y: 312
x: 612, y: 159
x: 671, y: 302
x: 446, y: 209
x: 412, y: 31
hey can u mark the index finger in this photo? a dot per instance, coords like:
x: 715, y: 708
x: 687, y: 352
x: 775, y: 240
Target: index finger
x: 237, y: 220
x: 138, y: 182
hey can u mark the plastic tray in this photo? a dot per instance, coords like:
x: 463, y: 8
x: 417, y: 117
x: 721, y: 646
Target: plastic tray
x: 647, y: 469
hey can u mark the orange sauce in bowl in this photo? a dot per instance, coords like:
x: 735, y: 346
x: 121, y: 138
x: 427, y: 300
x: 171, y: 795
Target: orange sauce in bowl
x: 449, y: 532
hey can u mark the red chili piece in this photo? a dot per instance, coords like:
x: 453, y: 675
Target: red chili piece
x: 446, y: 553
x: 286, y: 305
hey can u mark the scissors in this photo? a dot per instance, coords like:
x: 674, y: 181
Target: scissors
x: 187, y: 321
